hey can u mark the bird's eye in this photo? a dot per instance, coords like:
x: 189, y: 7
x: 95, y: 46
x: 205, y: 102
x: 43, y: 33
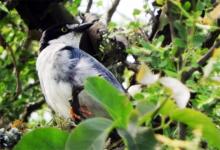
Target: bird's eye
x: 64, y: 29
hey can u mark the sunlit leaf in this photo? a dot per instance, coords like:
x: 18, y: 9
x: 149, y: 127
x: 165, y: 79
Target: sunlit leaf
x: 145, y: 76
x: 180, y: 92
x: 187, y: 5
x: 136, y: 12
x: 160, y: 2
x: 195, y: 120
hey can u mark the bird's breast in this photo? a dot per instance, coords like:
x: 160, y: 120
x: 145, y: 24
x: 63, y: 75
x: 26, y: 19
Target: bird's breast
x: 56, y: 92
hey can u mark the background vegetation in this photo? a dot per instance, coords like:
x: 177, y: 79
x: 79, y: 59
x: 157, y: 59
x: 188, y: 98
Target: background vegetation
x: 166, y: 63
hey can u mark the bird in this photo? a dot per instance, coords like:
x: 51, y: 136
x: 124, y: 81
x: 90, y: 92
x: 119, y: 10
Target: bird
x: 63, y: 68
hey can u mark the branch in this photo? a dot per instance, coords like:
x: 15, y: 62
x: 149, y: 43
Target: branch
x: 17, y: 74
x: 31, y: 108
x: 26, y: 88
x: 112, y: 10
x: 96, y: 36
x: 155, y: 26
x: 202, y: 62
x: 211, y: 39
x: 31, y: 85
x: 170, y: 20
x: 89, y: 5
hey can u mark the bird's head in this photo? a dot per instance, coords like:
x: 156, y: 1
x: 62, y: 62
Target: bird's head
x: 69, y: 34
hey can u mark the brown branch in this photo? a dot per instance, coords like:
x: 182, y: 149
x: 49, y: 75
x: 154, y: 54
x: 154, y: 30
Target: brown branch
x: 201, y: 63
x: 98, y: 35
x: 17, y: 74
x: 89, y: 6
x: 112, y: 10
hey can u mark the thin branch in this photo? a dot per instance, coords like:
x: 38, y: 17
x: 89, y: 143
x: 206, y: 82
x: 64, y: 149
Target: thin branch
x: 112, y: 10
x: 155, y: 26
x: 170, y: 20
x: 89, y: 6
x: 26, y: 88
x: 211, y: 39
x: 31, y: 108
x: 17, y: 74
x: 31, y: 85
x: 202, y: 62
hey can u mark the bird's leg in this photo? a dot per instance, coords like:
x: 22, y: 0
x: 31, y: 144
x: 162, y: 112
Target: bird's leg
x: 84, y: 110
x: 75, y: 111
x: 78, y: 112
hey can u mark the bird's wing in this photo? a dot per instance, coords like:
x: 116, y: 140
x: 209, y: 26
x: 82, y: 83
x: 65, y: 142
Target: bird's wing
x: 84, y: 65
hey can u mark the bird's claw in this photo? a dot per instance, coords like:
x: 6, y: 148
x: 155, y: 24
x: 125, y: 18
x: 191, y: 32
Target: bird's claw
x: 84, y: 110
x: 85, y: 114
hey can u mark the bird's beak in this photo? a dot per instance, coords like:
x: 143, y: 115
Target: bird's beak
x: 83, y: 27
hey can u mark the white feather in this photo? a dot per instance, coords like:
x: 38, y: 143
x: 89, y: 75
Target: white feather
x: 56, y: 94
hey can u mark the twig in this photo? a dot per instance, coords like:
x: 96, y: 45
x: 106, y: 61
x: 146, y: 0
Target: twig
x: 155, y: 26
x: 89, y: 5
x: 202, y: 62
x: 112, y: 10
x: 31, y: 108
x: 145, y: 36
x: 17, y: 74
x: 211, y: 39
x: 26, y: 88
x: 170, y: 20
x: 31, y: 85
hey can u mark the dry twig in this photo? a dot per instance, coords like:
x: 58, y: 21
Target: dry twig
x: 89, y: 6
x: 112, y: 10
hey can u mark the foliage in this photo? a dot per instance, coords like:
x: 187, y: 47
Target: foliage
x: 146, y: 119
x: 39, y: 138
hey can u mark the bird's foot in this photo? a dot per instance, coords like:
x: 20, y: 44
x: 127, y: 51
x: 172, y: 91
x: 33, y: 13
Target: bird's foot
x: 74, y: 116
x: 84, y: 113
x: 84, y: 110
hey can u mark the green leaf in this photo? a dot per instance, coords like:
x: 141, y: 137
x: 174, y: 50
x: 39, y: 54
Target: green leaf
x: 145, y: 139
x: 3, y: 8
x: 196, y: 119
x: 193, y: 119
x: 187, y: 5
x: 115, y: 102
x: 89, y: 135
x: 44, y: 139
x: 139, y: 138
x: 128, y: 139
x: 136, y: 12
x: 160, y: 2
x: 198, y: 39
x: 159, y: 41
x: 179, y: 43
x: 136, y: 137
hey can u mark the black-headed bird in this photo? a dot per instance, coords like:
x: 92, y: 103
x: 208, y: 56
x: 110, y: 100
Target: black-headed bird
x: 62, y: 69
